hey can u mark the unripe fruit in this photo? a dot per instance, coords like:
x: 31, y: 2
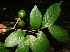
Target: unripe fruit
x: 21, y: 13
x: 21, y: 23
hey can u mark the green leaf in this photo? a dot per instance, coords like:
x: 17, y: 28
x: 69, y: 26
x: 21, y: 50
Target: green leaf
x: 14, y: 38
x: 39, y: 44
x: 32, y: 42
x: 2, y: 48
x: 59, y: 33
x: 24, y: 46
x: 35, y: 18
x: 1, y: 45
x: 51, y: 15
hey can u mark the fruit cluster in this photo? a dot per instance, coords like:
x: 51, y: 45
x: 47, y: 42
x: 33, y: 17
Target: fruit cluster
x: 21, y: 14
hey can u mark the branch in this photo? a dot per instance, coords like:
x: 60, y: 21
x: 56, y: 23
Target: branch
x: 16, y: 23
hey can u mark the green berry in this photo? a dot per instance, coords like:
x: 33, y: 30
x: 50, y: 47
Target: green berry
x: 8, y: 29
x: 21, y: 13
x: 21, y: 23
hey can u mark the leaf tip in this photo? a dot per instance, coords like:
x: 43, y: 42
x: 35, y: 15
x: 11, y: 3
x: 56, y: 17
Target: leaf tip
x: 35, y: 7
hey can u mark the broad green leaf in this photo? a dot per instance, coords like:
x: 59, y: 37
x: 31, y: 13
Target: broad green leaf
x: 1, y: 45
x: 32, y: 41
x: 2, y: 48
x: 39, y: 44
x: 42, y: 41
x: 35, y: 18
x: 14, y: 38
x: 59, y: 33
x: 51, y: 15
x: 24, y: 46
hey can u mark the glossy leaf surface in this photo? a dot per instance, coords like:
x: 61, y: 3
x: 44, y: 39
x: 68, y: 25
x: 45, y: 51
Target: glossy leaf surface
x: 14, y: 38
x: 39, y: 44
x: 35, y: 18
x: 24, y: 46
x: 51, y: 15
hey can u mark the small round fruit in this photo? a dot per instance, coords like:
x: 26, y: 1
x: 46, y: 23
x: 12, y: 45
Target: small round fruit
x: 21, y: 23
x: 21, y: 13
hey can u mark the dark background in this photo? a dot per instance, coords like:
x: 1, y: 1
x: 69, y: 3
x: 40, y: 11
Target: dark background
x: 9, y: 10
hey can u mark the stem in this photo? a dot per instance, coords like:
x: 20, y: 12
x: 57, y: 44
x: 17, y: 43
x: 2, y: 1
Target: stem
x: 16, y: 23
x: 27, y: 30
x: 30, y: 31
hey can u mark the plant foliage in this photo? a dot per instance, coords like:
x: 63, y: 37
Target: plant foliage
x: 51, y: 15
x: 2, y: 48
x: 59, y: 33
x: 35, y: 18
x: 39, y: 43
x: 14, y: 38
